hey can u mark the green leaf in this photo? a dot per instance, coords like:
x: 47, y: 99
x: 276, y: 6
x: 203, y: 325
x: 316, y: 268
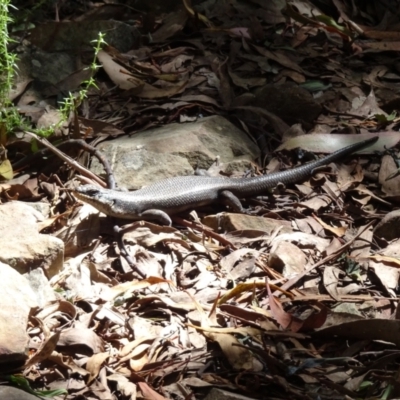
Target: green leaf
x: 382, y: 118
x: 22, y: 383
x: 315, y: 86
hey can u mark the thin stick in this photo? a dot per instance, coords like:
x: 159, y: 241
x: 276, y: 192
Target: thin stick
x: 75, y: 165
x: 337, y: 253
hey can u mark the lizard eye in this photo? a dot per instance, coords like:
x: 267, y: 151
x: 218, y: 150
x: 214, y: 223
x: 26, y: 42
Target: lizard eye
x: 88, y: 190
x: 92, y: 192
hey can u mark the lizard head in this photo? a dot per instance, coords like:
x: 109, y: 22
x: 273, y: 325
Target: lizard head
x: 95, y: 196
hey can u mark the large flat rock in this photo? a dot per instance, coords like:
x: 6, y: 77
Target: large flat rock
x: 175, y: 150
x: 22, y: 246
x: 16, y: 301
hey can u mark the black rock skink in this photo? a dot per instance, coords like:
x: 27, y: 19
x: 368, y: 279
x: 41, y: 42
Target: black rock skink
x: 170, y: 196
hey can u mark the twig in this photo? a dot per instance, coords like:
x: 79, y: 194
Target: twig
x: 294, y: 280
x: 206, y: 231
x: 75, y: 165
x: 119, y: 232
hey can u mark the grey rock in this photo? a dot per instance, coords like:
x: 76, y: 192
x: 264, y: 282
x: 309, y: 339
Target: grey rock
x: 219, y: 394
x: 40, y: 286
x: 22, y: 246
x: 175, y: 149
x: 40, y: 206
x: 12, y: 393
x: 51, y: 67
x: 16, y: 301
x: 75, y: 36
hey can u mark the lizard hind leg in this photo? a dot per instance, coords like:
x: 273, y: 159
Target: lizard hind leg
x: 228, y: 198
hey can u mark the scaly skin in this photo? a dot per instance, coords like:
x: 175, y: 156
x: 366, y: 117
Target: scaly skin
x: 170, y: 196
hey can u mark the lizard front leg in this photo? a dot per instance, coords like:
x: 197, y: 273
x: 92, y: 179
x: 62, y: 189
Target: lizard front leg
x: 228, y: 198
x: 156, y: 215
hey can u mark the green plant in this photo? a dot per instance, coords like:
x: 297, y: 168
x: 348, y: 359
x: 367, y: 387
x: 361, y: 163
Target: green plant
x: 9, y: 116
x: 72, y: 102
x: 21, y: 382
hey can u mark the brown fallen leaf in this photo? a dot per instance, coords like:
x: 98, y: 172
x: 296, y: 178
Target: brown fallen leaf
x: 285, y: 319
x: 337, y: 230
x: 244, y: 287
x: 137, y: 364
x: 67, y: 362
x: 118, y: 74
x: 328, y: 143
x: 94, y: 365
x: 239, y: 357
x: 81, y: 337
x: 129, y: 287
x: 45, y: 350
x: 392, y: 261
x: 149, y: 393
x: 372, y: 329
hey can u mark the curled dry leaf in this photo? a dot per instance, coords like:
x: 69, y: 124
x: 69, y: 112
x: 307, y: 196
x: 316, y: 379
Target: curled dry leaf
x: 118, y: 74
x: 285, y: 319
x: 137, y: 364
x: 81, y: 337
x: 67, y: 362
x: 46, y: 349
x: 238, y: 356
